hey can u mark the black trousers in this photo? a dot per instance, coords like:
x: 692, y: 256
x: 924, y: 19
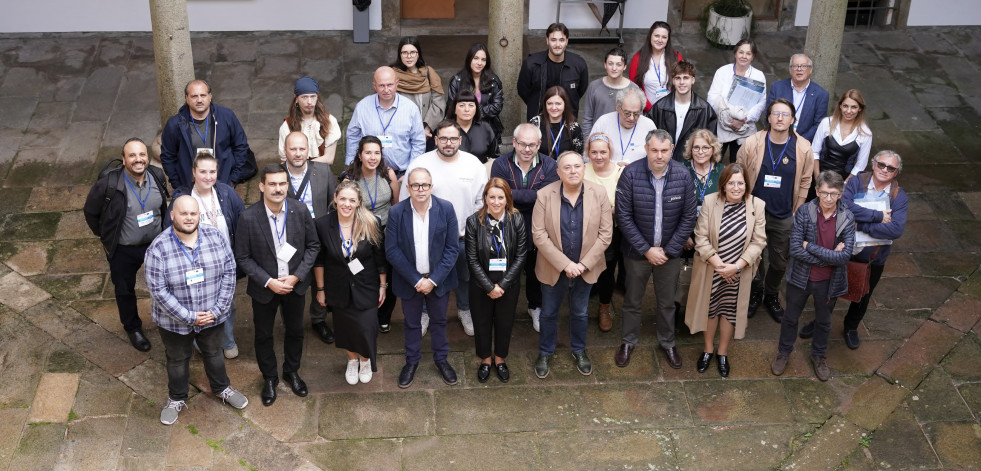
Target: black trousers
x: 178, y: 351
x: 125, y: 262
x: 533, y: 288
x: 387, y: 307
x: 264, y: 317
x: 493, y: 320
x: 604, y: 284
x: 731, y: 147
x: 856, y: 311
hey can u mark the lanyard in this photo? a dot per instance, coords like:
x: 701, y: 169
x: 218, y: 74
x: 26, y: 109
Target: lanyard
x: 370, y: 198
x: 390, y: 118
x: 498, y: 246
x: 346, y: 244
x: 555, y: 139
x: 149, y: 184
x: 279, y: 233
x: 181, y: 245
x: 749, y: 71
x: 775, y: 160
x: 204, y: 138
x: 703, y: 188
x: 623, y: 149
x: 656, y: 69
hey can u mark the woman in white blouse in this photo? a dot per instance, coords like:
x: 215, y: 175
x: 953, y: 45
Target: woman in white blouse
x: 308, y: 115
x: 843, y: 140
x: 736, y: 123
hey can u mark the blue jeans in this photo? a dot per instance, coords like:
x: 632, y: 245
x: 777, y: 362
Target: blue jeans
x: 463, y: 274
x: 229, y: 328
x: 578, y: 292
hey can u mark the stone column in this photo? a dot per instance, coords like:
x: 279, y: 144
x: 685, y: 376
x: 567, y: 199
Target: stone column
x: 505, y: 38
x: 823, y: 43
x: 172, y: 53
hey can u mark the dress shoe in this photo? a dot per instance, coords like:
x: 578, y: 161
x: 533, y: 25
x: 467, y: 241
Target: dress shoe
x: 269, y: 391
x: 447, y: 372
x: 296, y: 384
x: 807, y: 331
x: 583, y: 364
x: 723, y: 366
x: 851, y: 339
x: 755, y: 299
x: 704, y: 361
x: 605, y: 317
x: 779, y: 364
x: 541, y: 365
x: 483, y: 372
x: 674, y: 359
x: 408, y: 374
x: 772, y: 302
x: 384, y: 328
x: 323, y: 332
x: 139, y: 340
x: 503, y: 373
x: 622, y: 357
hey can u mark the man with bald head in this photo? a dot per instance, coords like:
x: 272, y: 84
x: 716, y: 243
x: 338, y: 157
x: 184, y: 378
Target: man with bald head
x: 312, y: 183
x: 190, y: 273
x: 202, y: 126
x: 626, y: 126
x: 392, y: 118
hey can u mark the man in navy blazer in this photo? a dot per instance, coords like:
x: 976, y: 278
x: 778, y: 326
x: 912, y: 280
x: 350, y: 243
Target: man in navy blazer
x: 421, y: 242
x: 275, y: 246
x: 809, y: 99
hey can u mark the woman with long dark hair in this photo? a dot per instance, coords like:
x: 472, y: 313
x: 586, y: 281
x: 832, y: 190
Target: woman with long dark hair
x: 560, y: 131
x: 478, y: 137
x: 651, y: 65
x: 478, y: 76
x: 420, y: 82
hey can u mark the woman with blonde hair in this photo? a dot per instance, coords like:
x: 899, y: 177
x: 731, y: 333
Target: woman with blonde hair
x: 843, y: 141
x: 603, y: 171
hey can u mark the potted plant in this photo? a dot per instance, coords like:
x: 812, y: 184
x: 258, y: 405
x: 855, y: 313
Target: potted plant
x: 727, y: 21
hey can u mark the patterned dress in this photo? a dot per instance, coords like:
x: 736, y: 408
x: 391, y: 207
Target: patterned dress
x: 732, y: 237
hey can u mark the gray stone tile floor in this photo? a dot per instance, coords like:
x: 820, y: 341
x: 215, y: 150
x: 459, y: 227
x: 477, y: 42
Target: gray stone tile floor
x: 75, y: 395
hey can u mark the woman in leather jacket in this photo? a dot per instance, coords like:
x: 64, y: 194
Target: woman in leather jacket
x: 496, y: 252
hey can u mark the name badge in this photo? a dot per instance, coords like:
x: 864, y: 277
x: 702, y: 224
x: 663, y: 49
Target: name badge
x: 206, y: 150
x: 355, y: 266
x: 771, y: 181
x: 698, y: 210
x: 498, y: 264
x: 193, y: 277
x: 144, y: 219
x: 660, y: 93
x: 386, y: 140
x: 285, y: 253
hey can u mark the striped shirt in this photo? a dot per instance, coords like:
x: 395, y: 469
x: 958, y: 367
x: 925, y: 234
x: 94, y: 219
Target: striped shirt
x: 402, y: 122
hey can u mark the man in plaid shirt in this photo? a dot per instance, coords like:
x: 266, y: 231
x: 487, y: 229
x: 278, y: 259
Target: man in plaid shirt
x: 190, y: 271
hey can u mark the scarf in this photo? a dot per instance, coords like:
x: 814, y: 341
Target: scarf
x: 414, y: 84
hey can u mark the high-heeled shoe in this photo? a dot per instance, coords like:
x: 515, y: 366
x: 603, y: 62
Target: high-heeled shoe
x: 704, y: 361
x: 724, y: 366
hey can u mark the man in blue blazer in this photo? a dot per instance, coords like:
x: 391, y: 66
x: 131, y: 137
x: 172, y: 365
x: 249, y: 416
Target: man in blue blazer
x: 422, y: 244
x: 809, y: 99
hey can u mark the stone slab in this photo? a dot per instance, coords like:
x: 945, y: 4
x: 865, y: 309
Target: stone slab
x: 56, y: 319
x: 738, y: 402
x: 39, y: 447
x: 98, y: 96
x: 871, y: 355
x: 388, y: 414
x: 960, y: 312
x: 812, y: 402
x: 513, y: 451
x: 872, y: 402
x: 72, y: 226
x: 958, y: 444
x: 109, y: 352
x: 633, y: 406
x: 12, y: 422
x: 944, y: 263
x: 827, y: 447
x: 962, y: 363
x: 972, y: 397
x: 93, y: 443
x: 147, y: 378
x: 891, y: 324
x: 22, y: 351
x: 936, y: 400
x: 100, y: 395
x: 187, y: 448
x: 262, y: 451
x: 899, y: 444
x: 59, y: 198
x: 78, y: 256
x: 54, y: 398
x: 746, y: 447
x: 29, y: 226
x: 19, y: 294
x: 300, y: 424
x: 30, y: 258
x: 17, y: 111
x: 145, y: 436
x: 914, y: 360
x: 69, y: 287
x: 505, y: 410
x: 608, y: 449
x: 354, y: 455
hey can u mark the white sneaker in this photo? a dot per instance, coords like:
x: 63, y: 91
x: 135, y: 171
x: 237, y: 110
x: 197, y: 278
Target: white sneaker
x: 231, y: 352
x: 351, y: 375
x: 169, y: 414
x: 467, y: 322
x: 233, y: 398
x: 425, y: 322
x: 535, y: 314
x: 364, y: 371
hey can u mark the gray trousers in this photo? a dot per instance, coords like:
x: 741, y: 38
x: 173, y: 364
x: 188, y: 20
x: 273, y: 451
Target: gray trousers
x: 777, y: 251
x: 665, y: 282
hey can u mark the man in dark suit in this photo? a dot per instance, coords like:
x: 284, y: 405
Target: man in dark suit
x: 809, y: 99
x: 312, y: 183
x: 421, y: 243
x: 275, y: 246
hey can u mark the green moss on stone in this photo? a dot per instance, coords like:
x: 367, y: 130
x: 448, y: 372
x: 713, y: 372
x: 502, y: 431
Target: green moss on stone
x: 30, y: 226
x: 65, y: 361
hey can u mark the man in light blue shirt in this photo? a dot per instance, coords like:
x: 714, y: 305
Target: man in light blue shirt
x: 394, y: 119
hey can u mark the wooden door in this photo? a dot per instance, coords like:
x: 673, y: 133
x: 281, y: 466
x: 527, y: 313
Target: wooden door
x: 428, y: 9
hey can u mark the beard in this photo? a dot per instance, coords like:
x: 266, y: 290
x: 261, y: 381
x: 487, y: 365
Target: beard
x: 180, y: 228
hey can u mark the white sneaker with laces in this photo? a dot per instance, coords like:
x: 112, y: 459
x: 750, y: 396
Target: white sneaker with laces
x: 467, y: 322
x: 351, y: 375
x: 231, y: 352
x: 169, y: 413
x: 535, y: 314
x: 364, y: 371
x: 425, y: 322
x: 233, y: 398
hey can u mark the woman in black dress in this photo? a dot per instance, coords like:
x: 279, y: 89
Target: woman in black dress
x: 352, y: 257
x: 478, y: 137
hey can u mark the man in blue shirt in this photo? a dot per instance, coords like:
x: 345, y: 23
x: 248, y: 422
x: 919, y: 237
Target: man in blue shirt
x: 394, y: 119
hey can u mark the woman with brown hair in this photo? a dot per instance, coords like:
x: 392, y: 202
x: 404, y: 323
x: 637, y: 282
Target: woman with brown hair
x: 729, y: 239
x: 650, y: 66
x: 560, y: 131
x: 496, y: 250
x: 307, y: 114
x: 420, y: 83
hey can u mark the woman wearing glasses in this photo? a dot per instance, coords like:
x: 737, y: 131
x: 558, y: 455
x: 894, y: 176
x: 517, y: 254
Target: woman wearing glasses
x: 729, y: 240
x: 560, y: 131
x: 737, y: 121
x: 843, y: 140
x: 421, y: 83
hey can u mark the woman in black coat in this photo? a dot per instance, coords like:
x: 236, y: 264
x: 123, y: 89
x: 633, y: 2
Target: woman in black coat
x: 496, y: 250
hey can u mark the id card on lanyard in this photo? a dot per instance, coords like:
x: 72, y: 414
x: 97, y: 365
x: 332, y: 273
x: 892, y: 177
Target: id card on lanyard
x: 146, y: 217
x: 384, y: 137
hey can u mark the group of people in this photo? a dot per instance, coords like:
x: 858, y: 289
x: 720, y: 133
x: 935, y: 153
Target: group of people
x: 426, y: 207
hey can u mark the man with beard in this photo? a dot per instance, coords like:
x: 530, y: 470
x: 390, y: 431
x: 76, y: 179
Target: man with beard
x: 554, y: 66
x: 190, y: 271
x: 126, y: 210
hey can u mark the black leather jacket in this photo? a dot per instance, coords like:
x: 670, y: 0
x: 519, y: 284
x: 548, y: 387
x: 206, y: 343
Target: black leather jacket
x: 479, y: 250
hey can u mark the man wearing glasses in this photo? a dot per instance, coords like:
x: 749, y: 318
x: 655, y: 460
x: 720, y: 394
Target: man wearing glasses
x: 810, y: 99
x: 421, y: 244
x: 779, y: 165
x: 821, y: 243
x: 627, y: 126
x: 459, y: 178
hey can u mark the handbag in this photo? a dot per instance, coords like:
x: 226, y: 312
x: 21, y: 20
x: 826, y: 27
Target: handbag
x: 859, y: 274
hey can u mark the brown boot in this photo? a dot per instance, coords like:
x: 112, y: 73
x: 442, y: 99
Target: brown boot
x: 605, y: 318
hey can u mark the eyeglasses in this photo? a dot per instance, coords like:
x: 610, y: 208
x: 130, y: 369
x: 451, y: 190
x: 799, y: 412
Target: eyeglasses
x: 420, y: 186
x: 444, y: 140
x: 826, y: 194
x: 888, y: 168
x: 525, y: 145
x: 781, y: 114
x: 630, y: 114
x: 409, y: 53
x: 701, y: 148
x: 800, y: 67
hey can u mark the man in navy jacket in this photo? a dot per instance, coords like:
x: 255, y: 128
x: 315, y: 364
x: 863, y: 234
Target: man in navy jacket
x: 809, y: 99
x: 200, y: 124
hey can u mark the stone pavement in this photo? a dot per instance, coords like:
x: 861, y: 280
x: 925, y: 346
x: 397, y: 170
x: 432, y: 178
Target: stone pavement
x: 75, y: 395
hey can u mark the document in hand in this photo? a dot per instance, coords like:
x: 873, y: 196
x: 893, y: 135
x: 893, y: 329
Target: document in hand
x: 745, y: 92
x: 862, y: 239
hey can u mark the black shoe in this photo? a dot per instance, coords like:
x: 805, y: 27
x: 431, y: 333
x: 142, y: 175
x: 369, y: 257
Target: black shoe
x: 139, y: 340
x: 851, y: 339
x: 807, y: 331
x: 503, y: 373
x: 704, y: 361
x: 723, y: 366
x: 269, y: 391
x: 483, y: 372
x: 407, y: 375
x: 755, y: 299
x: 772, y: 302
x: 447, y: 372
x: 296, y: 384
x: 323, y: 332
x: 384, y: 328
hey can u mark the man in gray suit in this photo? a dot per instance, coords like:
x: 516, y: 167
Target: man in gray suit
x: 275, y: 246
x: 312, y: 183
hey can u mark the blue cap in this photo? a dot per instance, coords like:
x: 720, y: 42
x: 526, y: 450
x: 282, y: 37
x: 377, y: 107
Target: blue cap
x: 305, y: 85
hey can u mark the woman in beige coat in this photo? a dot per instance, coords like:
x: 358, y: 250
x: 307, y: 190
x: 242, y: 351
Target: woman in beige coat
x: 729, y: 238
